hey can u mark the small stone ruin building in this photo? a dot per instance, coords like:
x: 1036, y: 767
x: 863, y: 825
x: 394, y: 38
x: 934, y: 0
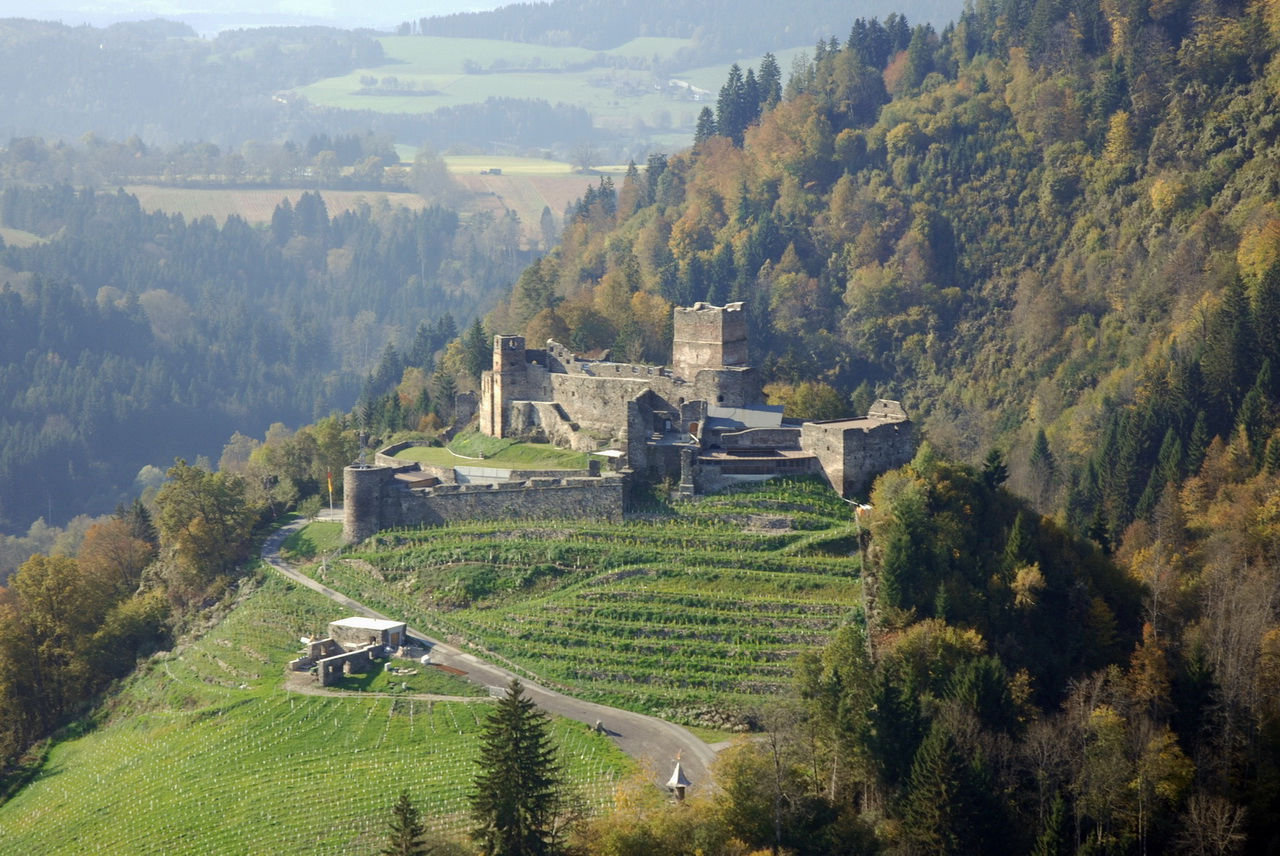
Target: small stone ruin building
x: 350, y: 647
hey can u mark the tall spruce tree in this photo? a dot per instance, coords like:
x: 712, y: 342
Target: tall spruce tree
x: 517, y: 788
x: 404, y: 837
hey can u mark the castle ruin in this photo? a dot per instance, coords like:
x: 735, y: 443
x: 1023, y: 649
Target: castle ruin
x: 699, y: 421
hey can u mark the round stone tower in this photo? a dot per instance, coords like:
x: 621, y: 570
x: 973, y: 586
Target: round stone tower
x: 362, y: 500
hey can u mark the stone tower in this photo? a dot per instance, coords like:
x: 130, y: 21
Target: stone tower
x: 708, y: 337
x: 507, y: 382
x: 362, y: 487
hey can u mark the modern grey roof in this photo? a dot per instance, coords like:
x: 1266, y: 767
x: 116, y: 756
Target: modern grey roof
x: 737, y: 418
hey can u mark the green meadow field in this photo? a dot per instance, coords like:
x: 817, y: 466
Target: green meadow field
x: 205, y: 752
x: 619, y: 99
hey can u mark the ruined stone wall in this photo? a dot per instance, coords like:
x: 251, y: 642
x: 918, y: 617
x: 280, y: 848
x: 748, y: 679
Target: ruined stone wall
x: 490, y: 407
x: 725, y: 387
x: 331, y: 669
x: 376, y: 502
x: 599, y: 403
x: 854, y: 452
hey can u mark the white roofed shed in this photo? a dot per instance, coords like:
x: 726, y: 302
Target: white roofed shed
x: 359, y: 630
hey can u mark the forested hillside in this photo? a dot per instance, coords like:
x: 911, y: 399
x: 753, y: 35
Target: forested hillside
x: 1053, y: 231
x: 128, y: 338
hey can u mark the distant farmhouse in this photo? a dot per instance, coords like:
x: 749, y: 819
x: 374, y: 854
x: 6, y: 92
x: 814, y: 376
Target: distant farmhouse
x: 699, y: 421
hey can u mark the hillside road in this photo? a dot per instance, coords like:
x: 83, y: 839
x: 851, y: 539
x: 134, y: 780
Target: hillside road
x: 653, y: 742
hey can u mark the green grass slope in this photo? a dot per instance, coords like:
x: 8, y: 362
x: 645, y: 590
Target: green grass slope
x: 205, y: 752
x: 682, y: 615
x: 476, y: 450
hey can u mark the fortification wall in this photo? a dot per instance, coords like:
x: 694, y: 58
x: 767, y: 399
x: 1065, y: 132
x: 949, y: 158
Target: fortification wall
x: 363, y: 488
x: 599, y: 402
x: 375, y: 502
x: 490, y: 407
x: 854, y: 452
x: 388, y: 458
x: 725, y: 387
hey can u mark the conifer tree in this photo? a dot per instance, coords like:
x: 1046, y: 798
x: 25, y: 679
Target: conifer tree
x: 404, y: 837
x: 517, y: 787
x: 770, y: 81
x: 706, y: 128
x: 1054, y: 839
x: 943, y: 808
x: 994, y: 471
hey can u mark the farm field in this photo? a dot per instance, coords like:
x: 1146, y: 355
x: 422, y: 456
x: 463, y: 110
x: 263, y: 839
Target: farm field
x: 675, y: 615
x: 526, y: 195
x: 255, y: 205
x: 617, y: 98
x: 712, y: 77
x: 204, y: 752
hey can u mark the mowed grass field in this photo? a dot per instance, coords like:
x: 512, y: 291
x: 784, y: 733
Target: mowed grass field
x: 702, y: 610
x: 204, y: 752
x: 525, y: 186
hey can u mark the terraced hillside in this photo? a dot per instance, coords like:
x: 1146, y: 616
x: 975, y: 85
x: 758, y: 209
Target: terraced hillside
x: 205, y: 752
x: 687, y: 616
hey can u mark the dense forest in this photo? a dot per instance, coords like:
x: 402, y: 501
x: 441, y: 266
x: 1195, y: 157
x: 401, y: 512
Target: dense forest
x: 129, y: 338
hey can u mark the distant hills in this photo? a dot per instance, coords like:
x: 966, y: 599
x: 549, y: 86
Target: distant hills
x: 240, y: 14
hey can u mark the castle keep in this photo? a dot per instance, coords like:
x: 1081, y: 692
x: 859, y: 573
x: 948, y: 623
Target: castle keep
x: 699, y: 421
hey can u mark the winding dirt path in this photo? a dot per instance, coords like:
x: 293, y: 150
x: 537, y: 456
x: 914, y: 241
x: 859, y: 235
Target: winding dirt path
x: 655, y: 743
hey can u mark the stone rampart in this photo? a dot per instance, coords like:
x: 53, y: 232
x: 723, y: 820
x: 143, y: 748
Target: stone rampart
x: 854, y: 451
x: 599, y: 403
x: 375, y: 502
